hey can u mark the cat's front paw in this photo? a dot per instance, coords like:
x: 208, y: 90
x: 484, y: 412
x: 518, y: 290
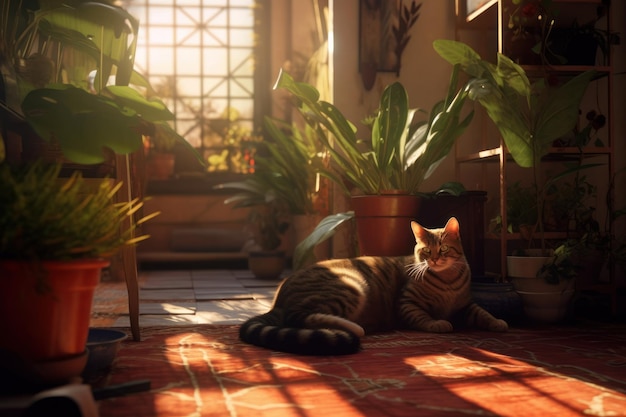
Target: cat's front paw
x: 440, y: 326
x: 499, y: 326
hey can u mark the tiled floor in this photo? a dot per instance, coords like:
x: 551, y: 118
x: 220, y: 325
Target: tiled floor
x: 185, y: 297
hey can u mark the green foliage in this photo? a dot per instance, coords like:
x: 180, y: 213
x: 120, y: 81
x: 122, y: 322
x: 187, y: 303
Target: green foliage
x: 561, y: 264
x: 289, y: 164
x: 521, y: 207
x: 285, y: 170
x: 400, y: 154
x: 529, y: 116
x: 323, y: 231
x: 83, y: 119
x: 268, y: 224
x: 43, y: 217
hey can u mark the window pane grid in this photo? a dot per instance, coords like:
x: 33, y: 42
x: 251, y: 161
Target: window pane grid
x: 199, y: 56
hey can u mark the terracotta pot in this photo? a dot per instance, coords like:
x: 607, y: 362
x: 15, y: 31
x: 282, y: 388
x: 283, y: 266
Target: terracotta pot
x: 266, y: 264
x: 384, y: 223
x: 48, y: 326
x: 53, y: 323
x: 160, y: 166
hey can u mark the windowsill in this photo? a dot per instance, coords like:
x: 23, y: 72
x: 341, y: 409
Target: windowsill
x: 193, y: 184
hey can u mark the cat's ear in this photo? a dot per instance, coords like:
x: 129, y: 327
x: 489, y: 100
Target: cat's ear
x: 452, y: 227
x: 418, y: 231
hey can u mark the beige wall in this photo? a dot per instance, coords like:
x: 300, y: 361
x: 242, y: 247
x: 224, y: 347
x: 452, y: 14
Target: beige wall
x: 424, y: 73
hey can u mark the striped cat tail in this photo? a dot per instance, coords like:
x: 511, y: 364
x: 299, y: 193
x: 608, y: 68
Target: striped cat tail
x: 266, y: 331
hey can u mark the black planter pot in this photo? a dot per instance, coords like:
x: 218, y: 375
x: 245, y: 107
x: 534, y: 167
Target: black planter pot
x: 578, y: 47
x: 498, y: 298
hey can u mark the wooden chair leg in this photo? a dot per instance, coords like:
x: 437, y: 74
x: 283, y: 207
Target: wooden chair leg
x: 129, y: 254
x: 132, y: 286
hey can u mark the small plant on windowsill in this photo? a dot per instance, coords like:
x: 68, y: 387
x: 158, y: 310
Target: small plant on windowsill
x: 268, y: 223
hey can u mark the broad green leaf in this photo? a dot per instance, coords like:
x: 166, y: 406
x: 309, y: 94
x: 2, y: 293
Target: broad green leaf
x: 322, y: 232
x: 83, y: 124
x: 152, y: 109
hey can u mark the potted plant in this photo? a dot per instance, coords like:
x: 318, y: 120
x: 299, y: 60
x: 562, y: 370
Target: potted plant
x: 51, y: 223
x: 268, y: 224
x: 534, y: 36
x: 160, y: 155
x: 530, y: 25
x: 286, y: 167
x: 62, y: 107
x: 578, y: 43
x: 391, y: 166
x: 55, y: 237
x: 530, y: 117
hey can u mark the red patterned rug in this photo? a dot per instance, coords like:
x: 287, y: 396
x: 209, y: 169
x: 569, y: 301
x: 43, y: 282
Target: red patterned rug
x: 205, y: 370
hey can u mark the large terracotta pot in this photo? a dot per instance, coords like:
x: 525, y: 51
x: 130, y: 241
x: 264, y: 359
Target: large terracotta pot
x: 383, y: 223
x: 49, y: 324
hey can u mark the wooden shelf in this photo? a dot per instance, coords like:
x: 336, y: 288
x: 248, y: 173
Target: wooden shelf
x: 517, y: 236
x: 556, y: 153
x: 566, y: 70
x: 480, y: 14
x: 487, y: 161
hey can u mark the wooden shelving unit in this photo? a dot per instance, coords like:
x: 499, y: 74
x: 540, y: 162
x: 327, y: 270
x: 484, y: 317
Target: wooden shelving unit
x: 485, y: 29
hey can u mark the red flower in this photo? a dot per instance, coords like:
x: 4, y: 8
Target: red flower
x: 530, y: 9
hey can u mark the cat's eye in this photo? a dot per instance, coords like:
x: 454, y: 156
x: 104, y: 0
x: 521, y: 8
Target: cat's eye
x: 444, y: 248
x: 426, y: 250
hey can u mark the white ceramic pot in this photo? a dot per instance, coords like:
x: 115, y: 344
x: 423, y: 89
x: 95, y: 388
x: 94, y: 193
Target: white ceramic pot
x: 542, y: 301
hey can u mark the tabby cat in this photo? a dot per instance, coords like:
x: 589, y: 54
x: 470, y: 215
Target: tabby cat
x: 324, y: 309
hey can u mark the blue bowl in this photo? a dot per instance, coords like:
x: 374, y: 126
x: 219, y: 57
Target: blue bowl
x: 102, y: 346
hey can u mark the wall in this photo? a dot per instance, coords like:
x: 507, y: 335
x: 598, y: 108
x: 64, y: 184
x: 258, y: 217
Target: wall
x: 425, y: 75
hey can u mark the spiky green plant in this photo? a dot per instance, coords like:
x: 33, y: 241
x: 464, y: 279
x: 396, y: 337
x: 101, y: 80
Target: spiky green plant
x: 43, y: 217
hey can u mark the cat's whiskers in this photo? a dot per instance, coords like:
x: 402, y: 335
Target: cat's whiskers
x: 417, y: 270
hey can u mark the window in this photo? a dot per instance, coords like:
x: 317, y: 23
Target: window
x: 200, y: 58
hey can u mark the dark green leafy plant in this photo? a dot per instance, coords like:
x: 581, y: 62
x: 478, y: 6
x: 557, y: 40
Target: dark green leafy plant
x: 529, y: 116
x: 82, y: 118
x: 285, y: 166
x: 400, y: 154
